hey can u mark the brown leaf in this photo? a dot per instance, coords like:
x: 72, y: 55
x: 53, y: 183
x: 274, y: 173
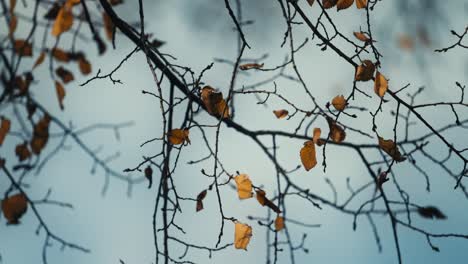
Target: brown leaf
x: 200, y: 198
x: 337, y: 133
x: 244, y: 186
x: 249, y: 66
x: 22, y: 151
x: 361, y: 4
x: 339, y: 102
x: 431, y: 212
x: 214, y: 102
x: 13, y: 25
x: 108, y: 25
x: 64, y: 74
x: 149, y: 175
x: 343, y: 4
x: 329, y: 3
x: 23, y: 48
x: 14, y: 207
x: 64, y: 20
x: 261, y: 198
x: 308, y: 155
x: 52, y: 12
x: 60, y: 55
x: 4, y: 128
x: 279, y: 223
x: 39, y: 60
x: 115, y: 2
x: 380, y: 85
x: 178, y: 136
x: 391, y: 149
x: 281, y: 113
x: 310, y: 2
x: 84, y: 65
x: 316, y: 135
x: 242, y: 235
x: 361, y: 36
x: 12, y: 6
x: 40, y: 135
x: 365, y: 71
x: 60, y: 93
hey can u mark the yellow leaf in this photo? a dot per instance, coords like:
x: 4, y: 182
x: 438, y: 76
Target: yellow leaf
x: 64, y: 20
x: 343, y: 4
x: 365, y: 71
x: 178, y: 136
x: 23, y: 48
x: 40, y: 135
x: 214, y: 102
x: 281, y: 113
x: 244, y: 186
x: 337, y: 133
x: 316, y: 137
x: 391, y: 149
x: 310, y: 2
x: 13, y: 24
x: 380, y: 84
x: 4, y: 129
x: 60, y: 93
x: 339, y: 102
x: 242, y: 235
x: 329, y: 3
x: 361, y: 4
x: 308, y: 156
x: 249, y: 66
x: 39, y: 60
x: 108, y: 25
x: 279, y: 223
x: 361, y: 36
x: 14, y: 207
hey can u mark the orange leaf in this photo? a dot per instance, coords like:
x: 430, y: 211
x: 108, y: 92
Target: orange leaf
x: 361, y: 4
x: 361, y: 36
x: 40, y: 135
x: 337, y: 133
x: 308, y: 156
x: 244, y: 186
x: 178, y: 136
x: 242, y: 235
x: 380, y: 84
x: 339, y: 102
x: 391, y: 149
x: 60, y: 55
x: 64, y: 74
x: 23, y: 48
x: 22, y: 151
x: 60, y: 93
x: 4, y: 129
x: 281, y: 113
x: 316, y: 137
x: 39, y: 60
x: 365, y: 71
x: 279, y: 223
x: 329, y: 3
x: 249, y: 66
x: 214, y: 102
x: 108, y: 25
x: 14, y: 207
x: 64, y: 20
x: 343, y: 4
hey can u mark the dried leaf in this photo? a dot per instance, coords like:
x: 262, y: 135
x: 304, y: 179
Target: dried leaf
x: 365, y: 71
x: 64, y: 74
x: 149, y: 175
x: 281, y: 113
x: 39, y: 60
x: 4, y: 128
x: 382, y: 179
x: 380, y: 84
x: 40, y: 135
x: 261, y: 198
x: 249, y: 66
x: 14, y: 207
x: 337, y: 133
x: 23, y: 48
x: 214, y: 102
x: 13, y: 25
x: 329, y: 3
x: 431, y: 212
x: 279, y: 223
x: 339, y: 102
x: 308, y: 156
x: 84, y: 65
x: 343, y: 4
x: 242, y: 235
x: 316, y: 135
x: 310, y: 2
x: 60, y: 55
x: 361, y: 36
x: 178, y: 136
x: 60, y: 93
x: 391, y: 149
x: 200, y: 198
x: 115, y: 2
x: 12, y: 6
x: 361, y: 4
x: 108, y: 25
x: 22, y: 151
x: 244, y: 186
x: 64, y: 20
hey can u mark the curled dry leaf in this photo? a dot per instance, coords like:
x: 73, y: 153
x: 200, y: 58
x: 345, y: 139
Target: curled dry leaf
x: 12, y: 26
x: 63, y: 21
x: 391, y: 149
x: 12, y: 6
x: 261, y: 198
x: 343, y: 4
x: 310, y: 2
x: 242, y: 235
x: 60, y: 55
x: 244, y: 186
x: 64, y: 74
x: 382, y: 179
x: 40, y: 135
x: 361, y: 4
x: 339, y: 102
x: 60, y: 90
x: 365, y: 71
x: 4, y: 128
x: 178, y: 136
x: 14, y: 207
x: 22, y: 151
x: 23, y: 48
x: 431, y: 212
x: 308, y: 155
x: 249, y: 66
x: 329, y: 3
x: 200, y: 198
x: 149, y: 175
x: 108, y: 25
x: 337, y: 133
x: 214, y: 102
x: 39, y: 60
x: 281, y: 113
x: 279, y: 223
x: 361, y: 36
x: 380, y: 84
x: 84, y: 65
x: 316, y: 135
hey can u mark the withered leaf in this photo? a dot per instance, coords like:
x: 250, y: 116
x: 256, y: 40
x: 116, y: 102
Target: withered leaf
x: 22, y: 151
x: 279, y: 223
x: 337, y: 133
x: 343, y: 4
x: 12, y: 26
x: 12, y: 6
x: 40, y: 135
x: 382, y: 179
x: 391, y: 149
x: 308, y: 155
x: 200, y: 198
x: 361, y: 4
x: 39, y: 60
x: 361, y: 36
x: 316, y: 135
x: 281, y: 113
x: 14, y: 207
x: 244, y: 186
x: 23, y: 48
x: 63, y: 21
x: 84, y: 65
x: 261, y: 198
x: 406, y: 42
x: 149, y: 175
x: 214, y: 102
x: 339, y: 102
x: 431, y: 212
x: 249, y: 66
x: 115, y: 2
x: 60, y: 90
x: 310, y: 2
x: 178, y: 136
x: 242, y: 235
x: 108, y: 25
x: 365, y: 71
x: 329, y: 3
x: 4, y: 128
x: 380, y: 84
x: 64, y: 74
x: 60, y: 55
x: 52, y: 12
